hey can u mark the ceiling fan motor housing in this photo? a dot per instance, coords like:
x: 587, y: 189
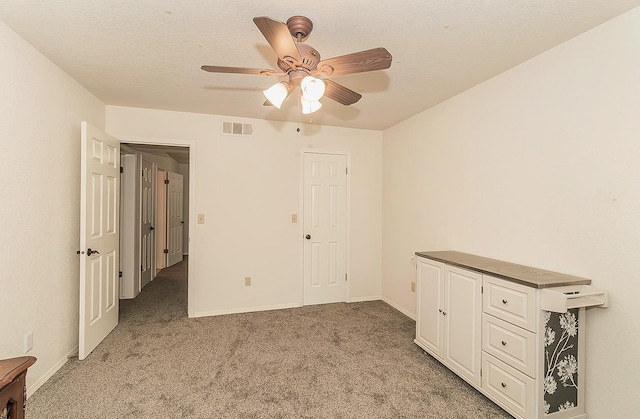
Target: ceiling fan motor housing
x: 310, y: 59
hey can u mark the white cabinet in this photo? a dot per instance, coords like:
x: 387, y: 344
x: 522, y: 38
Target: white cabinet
x: 517, y: 338
x: 510, y: 342
x: 448, y: 322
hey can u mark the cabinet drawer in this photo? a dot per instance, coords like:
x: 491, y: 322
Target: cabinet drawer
x: 509, y: 343
x: 508, y: 387
x: 509, y: 301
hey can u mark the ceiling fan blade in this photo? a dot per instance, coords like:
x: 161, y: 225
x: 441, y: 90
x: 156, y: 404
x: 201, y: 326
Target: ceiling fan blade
x: 238, y: 70
x: 278, y: 36
x: 358, y: 62
x: 339, y: 93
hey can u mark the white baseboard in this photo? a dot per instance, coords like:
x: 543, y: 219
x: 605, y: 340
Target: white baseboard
x: 363, y: 299
x: 243, y: 310
x: 32, y: 387
x: 294, y: 305
x: 410, y: 315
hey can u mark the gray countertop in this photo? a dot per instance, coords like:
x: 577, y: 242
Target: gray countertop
x: 526, y: 275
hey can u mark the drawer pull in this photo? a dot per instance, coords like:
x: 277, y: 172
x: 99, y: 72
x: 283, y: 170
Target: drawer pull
x: 440, y: 310
x: 504, y: 301
x: 444, y: 313
x: 504, y: 343
x: 503, y: 385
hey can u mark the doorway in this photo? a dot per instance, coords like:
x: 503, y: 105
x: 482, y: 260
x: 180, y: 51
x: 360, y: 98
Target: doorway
x: 146, y: 211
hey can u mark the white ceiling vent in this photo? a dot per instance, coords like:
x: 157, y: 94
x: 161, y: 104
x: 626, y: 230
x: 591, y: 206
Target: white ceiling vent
x: 236, y: 128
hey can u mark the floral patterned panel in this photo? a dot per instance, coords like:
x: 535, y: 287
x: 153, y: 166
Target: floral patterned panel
x: 560, y: 361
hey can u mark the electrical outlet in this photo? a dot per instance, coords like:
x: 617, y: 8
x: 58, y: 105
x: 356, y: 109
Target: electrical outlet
x: 28, y: 342
x: 294, y: 218
x: 247, y: 281
x: 200, y: 218
x: 413, y: 286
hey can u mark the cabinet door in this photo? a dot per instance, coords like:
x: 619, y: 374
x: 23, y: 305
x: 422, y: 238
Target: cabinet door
x: 462, y: 324
x: 430, y: 293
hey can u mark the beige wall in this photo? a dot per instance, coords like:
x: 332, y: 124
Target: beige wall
x: 539, y: 166
x: 41, y: 108
x: 247, y: 187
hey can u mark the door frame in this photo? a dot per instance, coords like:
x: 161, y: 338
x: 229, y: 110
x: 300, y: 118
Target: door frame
x: 301, y: 239
x: 191, y: 144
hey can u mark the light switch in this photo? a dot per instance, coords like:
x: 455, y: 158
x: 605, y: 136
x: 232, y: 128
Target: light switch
x: 294, y: 218
x: 200, y: 218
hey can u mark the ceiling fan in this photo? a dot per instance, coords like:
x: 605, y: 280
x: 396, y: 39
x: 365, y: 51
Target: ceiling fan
x: 300, y: 62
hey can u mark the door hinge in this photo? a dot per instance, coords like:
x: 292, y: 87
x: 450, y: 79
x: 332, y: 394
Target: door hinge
x: 346, y: 170
x: 121, y: 169
x: 480, y: 372
x: 345, y: 276
x: 166, y: 250
x: 166, y: 181
x: 141, y: 268
x: 120, y: 274
x: 481, y: 290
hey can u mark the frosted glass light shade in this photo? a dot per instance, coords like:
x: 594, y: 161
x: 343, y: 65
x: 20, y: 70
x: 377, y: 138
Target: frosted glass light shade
x: 276, y: 94
x: 309, y: 106
x: 312, y: 88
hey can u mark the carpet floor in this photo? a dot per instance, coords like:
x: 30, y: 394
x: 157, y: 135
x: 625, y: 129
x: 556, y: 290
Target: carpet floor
x: 354, y: 360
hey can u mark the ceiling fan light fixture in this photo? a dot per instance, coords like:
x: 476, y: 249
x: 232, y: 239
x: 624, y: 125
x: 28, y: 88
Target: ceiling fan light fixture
x: 309, y: 106
x: 312, y: 88
x: 276, y: 94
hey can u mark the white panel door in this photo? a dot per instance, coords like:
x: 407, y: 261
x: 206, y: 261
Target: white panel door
x: 325, y: 228
x: 176, y: 218
x: 147, y: 248
x: 99, y: 237
x: 161, y: 216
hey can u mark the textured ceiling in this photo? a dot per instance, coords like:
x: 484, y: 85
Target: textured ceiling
x: 148, y: 53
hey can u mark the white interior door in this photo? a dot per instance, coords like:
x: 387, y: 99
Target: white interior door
x: 146, y: 222
x: 161, y: 216
x: 99, y: 237
x: 176, y: 218
x: 325, y: 228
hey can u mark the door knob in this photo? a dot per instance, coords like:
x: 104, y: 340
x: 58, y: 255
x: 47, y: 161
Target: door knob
x: 92, y: 252
x: 308, y: 237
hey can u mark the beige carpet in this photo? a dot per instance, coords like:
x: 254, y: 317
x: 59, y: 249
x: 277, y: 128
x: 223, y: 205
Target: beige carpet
x: 353, y: 360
